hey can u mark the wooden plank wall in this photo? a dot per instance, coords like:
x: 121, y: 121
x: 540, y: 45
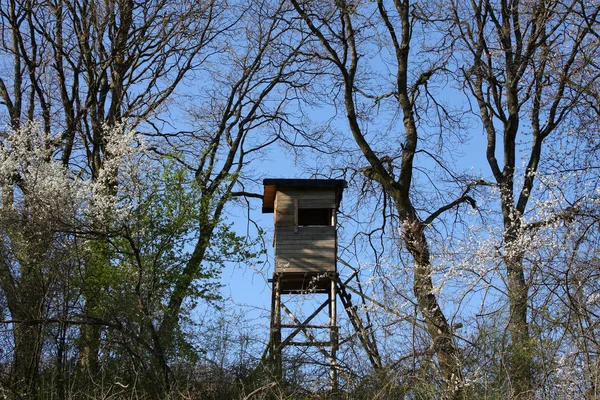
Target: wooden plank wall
x: 312, y: 249
x: 314, y: 198
x: 284, y: 210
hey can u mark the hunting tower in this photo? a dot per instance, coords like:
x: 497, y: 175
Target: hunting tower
x: 305, y: 242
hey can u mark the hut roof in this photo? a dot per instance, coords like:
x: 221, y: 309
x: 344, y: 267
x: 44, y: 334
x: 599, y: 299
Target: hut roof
x: 272, y: 185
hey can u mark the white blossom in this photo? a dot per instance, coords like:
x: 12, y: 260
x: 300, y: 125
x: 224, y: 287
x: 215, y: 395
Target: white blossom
x: 43, y: 188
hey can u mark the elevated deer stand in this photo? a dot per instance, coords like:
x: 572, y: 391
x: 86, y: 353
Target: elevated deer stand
x: 305, y: 261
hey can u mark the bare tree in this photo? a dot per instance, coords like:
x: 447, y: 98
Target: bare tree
x: 346, y: 34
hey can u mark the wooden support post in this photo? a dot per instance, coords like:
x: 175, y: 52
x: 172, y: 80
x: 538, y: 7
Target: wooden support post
x: 333, y: 333
x: 276, y: 328
x: 296, y: 206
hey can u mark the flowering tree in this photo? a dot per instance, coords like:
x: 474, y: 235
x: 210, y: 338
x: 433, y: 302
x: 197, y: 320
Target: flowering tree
x: 147, y: 236
x: 38, y: 202
x: 529, y: 68
x: 82, y: 68
x: 50, y: 231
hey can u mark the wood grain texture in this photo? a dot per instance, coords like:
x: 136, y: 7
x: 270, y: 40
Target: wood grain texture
x: 312, y: 249
x: 306, y: 198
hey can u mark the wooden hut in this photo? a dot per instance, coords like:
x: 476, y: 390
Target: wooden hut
x: 305, y: 237
x: 305, y: 241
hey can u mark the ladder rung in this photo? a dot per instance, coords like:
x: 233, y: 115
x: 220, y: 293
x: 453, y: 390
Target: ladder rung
x: 307, y: 344
x: 292, y: 326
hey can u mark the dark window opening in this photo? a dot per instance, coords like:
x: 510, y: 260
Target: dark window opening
x: 314, y: 216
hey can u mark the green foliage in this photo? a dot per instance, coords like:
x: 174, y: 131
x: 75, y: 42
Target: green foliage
x: 146, y: 258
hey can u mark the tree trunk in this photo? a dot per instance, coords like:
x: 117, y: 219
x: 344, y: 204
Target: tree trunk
x: 520, y: 350
x: 437, y: 324
x: 94, y: 281
x: 89, y: 349
x: 28, y: 346
x: 521, y: 353
x: 25, y: 299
